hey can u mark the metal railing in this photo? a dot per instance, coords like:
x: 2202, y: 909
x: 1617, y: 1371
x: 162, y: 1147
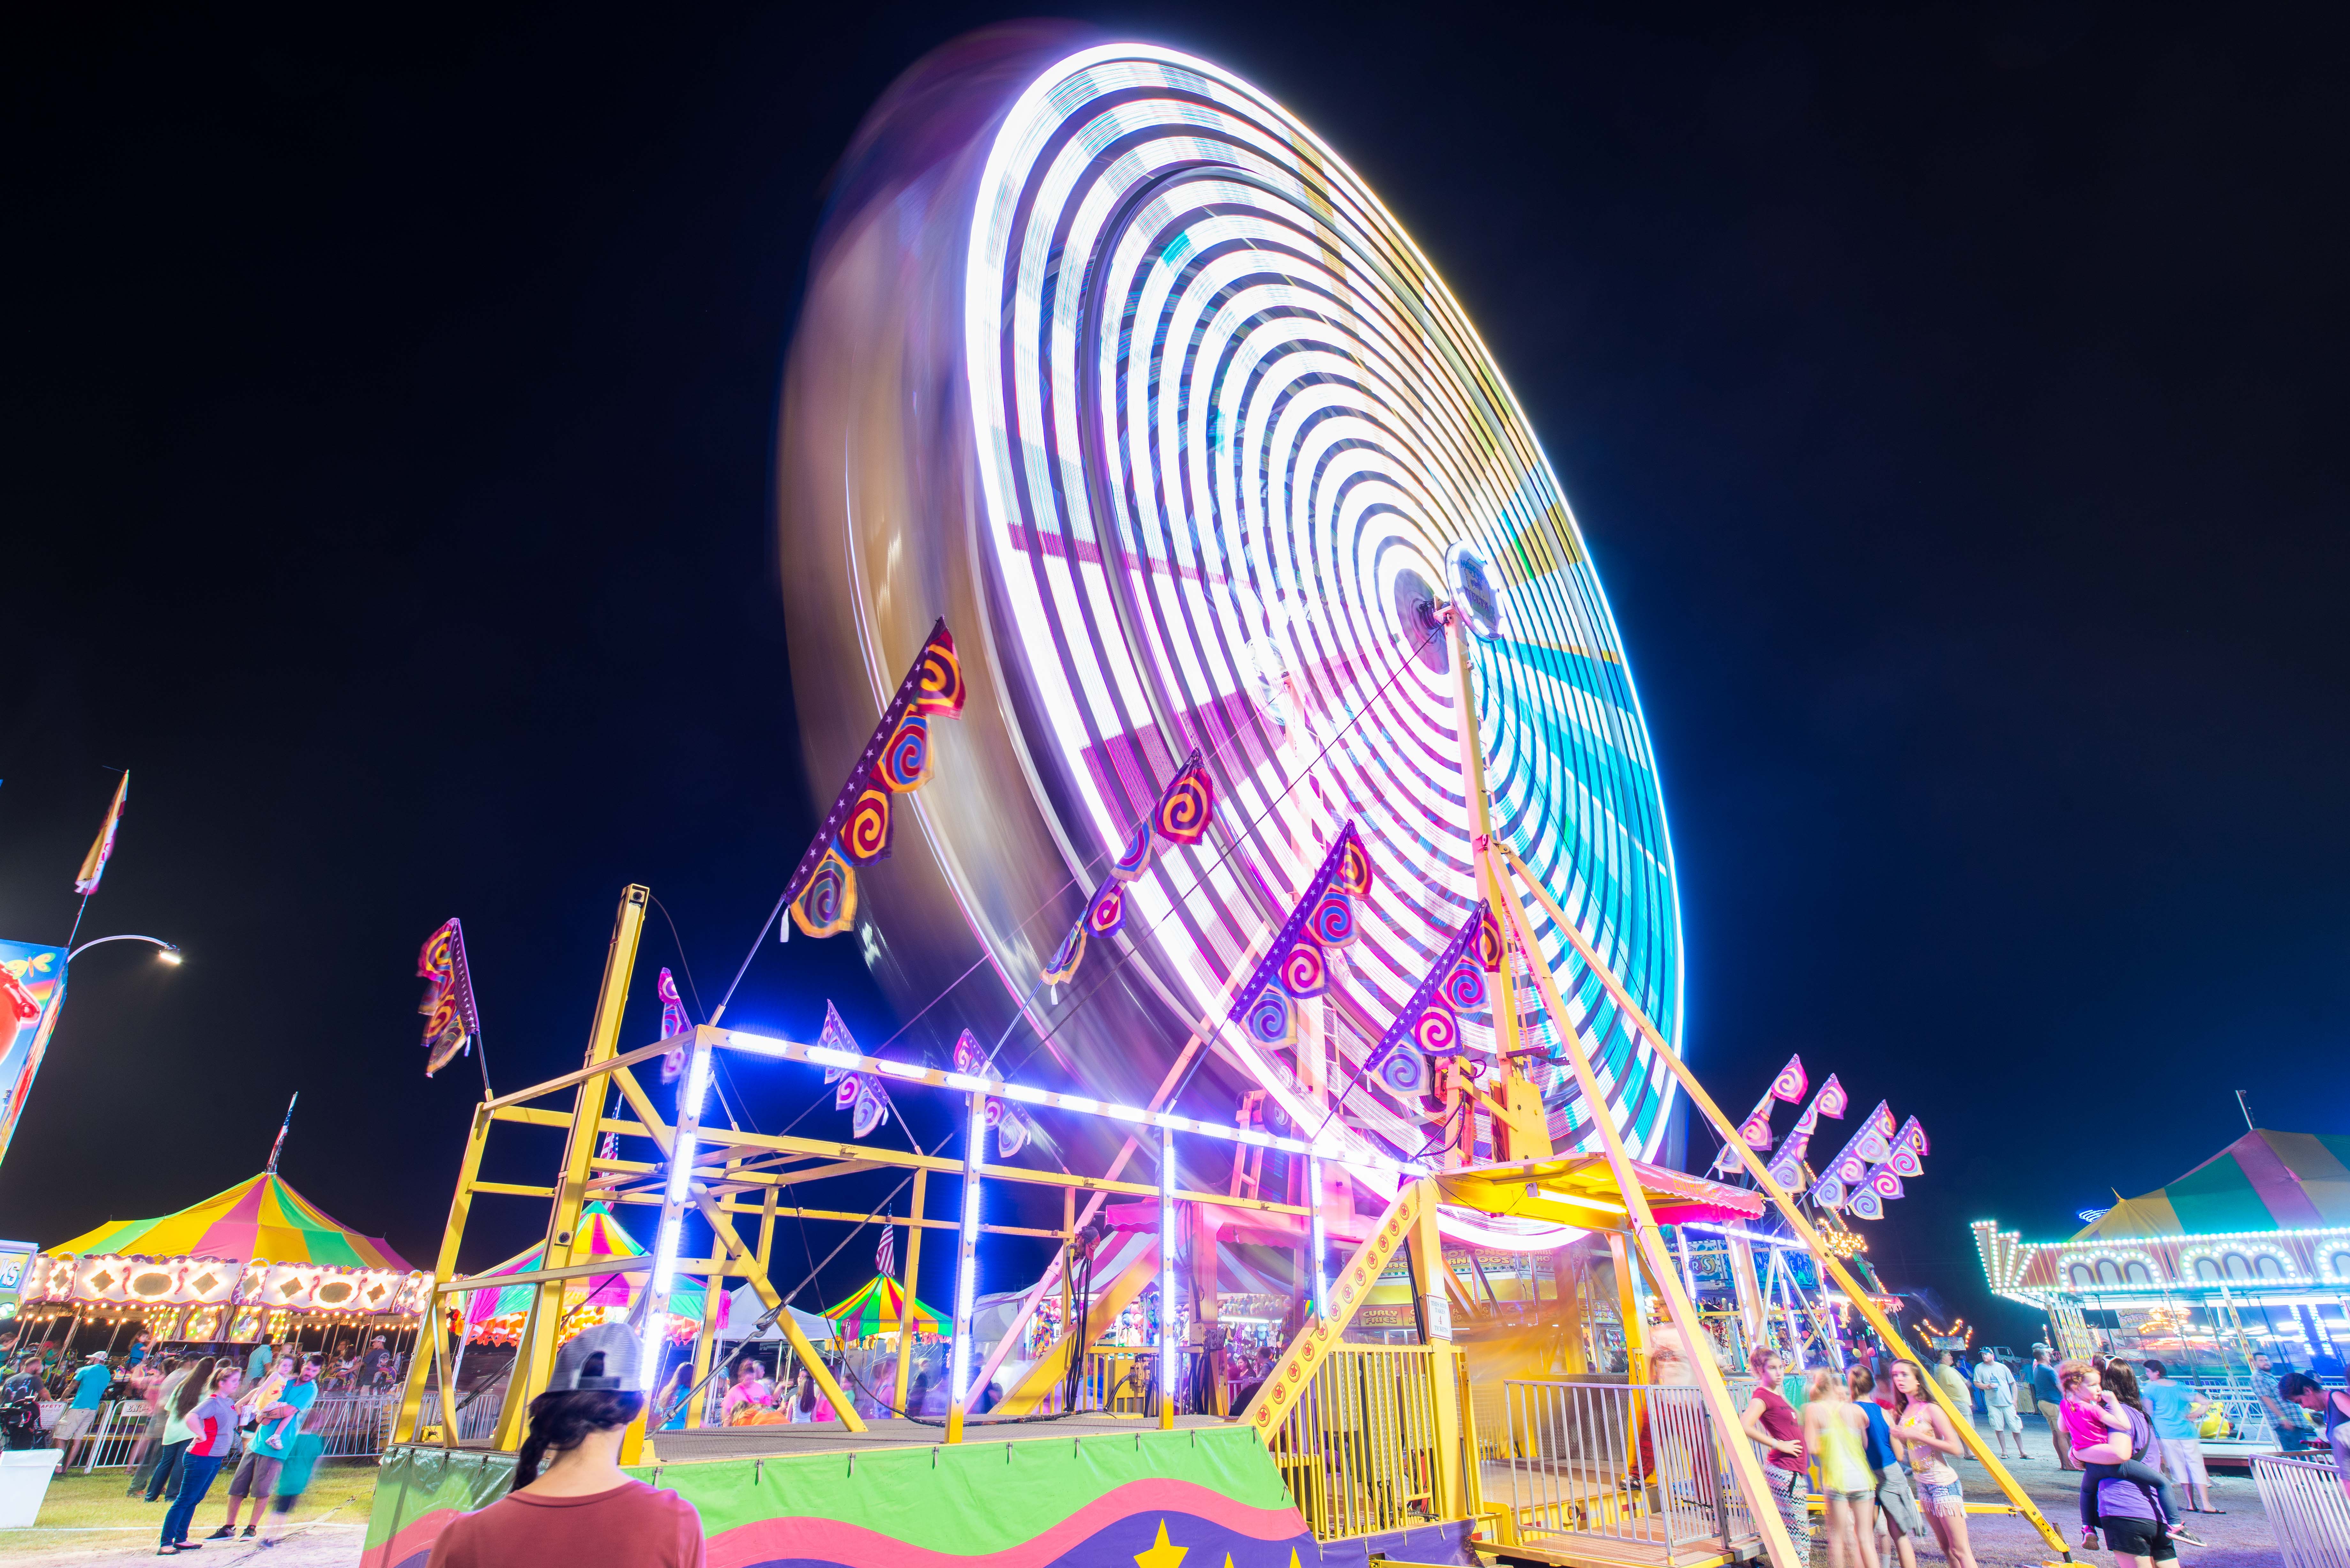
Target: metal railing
x: 1640, y: 1463
x: 353, y: 1426
x: 477, y: 1411
x: 1115, y: 1382
x: 1359, y: 1448
x: 2308, y: 1513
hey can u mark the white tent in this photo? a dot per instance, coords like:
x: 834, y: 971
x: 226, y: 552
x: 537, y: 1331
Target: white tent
x: 744, y: 1311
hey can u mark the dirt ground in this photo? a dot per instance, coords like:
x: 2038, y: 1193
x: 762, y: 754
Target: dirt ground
x: 88, y: 1522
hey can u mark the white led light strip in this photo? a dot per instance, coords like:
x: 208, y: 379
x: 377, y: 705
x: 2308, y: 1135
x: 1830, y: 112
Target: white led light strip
x: 1349, y: 1154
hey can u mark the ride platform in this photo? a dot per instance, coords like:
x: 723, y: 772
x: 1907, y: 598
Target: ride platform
x: 1087, y: 1490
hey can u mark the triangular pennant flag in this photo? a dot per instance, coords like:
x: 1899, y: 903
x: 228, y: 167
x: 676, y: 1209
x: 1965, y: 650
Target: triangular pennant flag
x: 1184, y: 809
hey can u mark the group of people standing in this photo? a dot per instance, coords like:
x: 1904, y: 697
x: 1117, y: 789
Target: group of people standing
x: 202, y: 1420
x: 1883, y: 1454
x: 1880, y: 1456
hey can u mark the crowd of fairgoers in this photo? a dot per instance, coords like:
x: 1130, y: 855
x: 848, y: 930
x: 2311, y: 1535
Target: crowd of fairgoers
x: 211, y: 1413
x: 1874, y: 1444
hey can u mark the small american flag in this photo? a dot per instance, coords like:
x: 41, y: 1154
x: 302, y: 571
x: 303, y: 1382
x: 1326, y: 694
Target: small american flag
x: 885, y: 1258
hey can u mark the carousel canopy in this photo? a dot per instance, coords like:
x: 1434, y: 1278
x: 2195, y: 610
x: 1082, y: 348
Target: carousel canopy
x: 261, y: 1217
x: 876, y: 1307
x: 605, y: 1237
x: 2262, y: 1181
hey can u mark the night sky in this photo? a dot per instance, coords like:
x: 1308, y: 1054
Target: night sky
x: 389, y: 427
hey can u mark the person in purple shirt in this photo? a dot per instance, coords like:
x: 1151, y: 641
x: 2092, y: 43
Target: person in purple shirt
x: 2134, y: 1529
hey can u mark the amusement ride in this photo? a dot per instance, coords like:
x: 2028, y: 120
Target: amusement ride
x: 1247, y: 795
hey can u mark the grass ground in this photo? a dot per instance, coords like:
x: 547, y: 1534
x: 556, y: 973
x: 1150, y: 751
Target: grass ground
x: 90, y: 1511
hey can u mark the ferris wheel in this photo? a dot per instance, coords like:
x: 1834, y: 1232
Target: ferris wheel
x: 1112, y: 362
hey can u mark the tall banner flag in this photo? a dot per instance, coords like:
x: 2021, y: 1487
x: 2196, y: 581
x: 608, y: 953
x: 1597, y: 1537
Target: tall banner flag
x: 1430, y: 1024
x: 1787, y: 1167
x: 451, y: 1022
x: 93, y: 865
x: 1872, y: 1142
x: 32, y: 993
x: 1185, y: 809
x: 1755, y: 1130
x: 1297, y: 965
x: 822, y: 893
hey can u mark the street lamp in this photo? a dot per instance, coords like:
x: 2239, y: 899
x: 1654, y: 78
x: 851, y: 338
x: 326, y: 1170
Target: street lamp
x: 166, y: 952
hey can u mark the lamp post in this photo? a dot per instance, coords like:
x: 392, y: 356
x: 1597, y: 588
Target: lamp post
x: 165, y: 952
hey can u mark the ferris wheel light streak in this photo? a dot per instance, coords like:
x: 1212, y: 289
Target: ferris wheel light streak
x: 1111, y: 358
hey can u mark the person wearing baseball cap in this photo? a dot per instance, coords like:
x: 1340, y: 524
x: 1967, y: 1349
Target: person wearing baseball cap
x: 570, y: 1502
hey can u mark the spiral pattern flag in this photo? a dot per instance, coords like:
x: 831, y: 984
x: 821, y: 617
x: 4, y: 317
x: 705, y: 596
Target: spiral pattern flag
x: 1755, y: 1130
x: 1224, y: 435
x: 1791, y: 1083
x: 1269, y: 1019
x: 1013, y: 1127
x: 1189, y: 806
x: 1909, y: 1155
x: 1491, y: 946
x: 1188, y: 800
x: 1428, y: 1021
x: 1865, y: 1205
x: 822, y: 892
x: 1404, y: 1072
x: 674, y: 1022
x: 1135, y: 858
x: 1107, y: 914
x: 1296, y: 964
x: 1787, y: 1166
x: 1849, y: 1168
x: 906, y: 759
x: 451, y: 1018
x: 1062, y: 967
x: 827, y: 899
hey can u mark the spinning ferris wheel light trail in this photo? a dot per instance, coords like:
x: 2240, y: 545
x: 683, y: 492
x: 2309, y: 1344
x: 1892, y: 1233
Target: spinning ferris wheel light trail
x: 1138, y: 385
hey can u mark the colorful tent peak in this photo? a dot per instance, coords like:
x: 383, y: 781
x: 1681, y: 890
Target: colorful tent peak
x: 877, y: 1306
x: 260, y: 1217
x: 605, y: 1237
x: 2265, y: 1180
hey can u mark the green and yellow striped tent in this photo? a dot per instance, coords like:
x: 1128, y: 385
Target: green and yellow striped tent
x: 2262, y: 1181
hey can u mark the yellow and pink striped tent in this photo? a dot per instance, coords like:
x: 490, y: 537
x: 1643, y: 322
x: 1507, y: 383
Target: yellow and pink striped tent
x: 258, y: 1218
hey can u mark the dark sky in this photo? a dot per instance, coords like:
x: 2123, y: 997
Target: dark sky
x: 390, y: 415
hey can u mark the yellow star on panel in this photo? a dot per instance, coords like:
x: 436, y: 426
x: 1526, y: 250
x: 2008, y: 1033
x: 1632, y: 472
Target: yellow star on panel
x: 1162, y: 1554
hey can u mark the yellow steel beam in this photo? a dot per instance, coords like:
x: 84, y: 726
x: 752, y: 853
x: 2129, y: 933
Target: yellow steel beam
x: 915, y: 1225
x: 601, y: 1065
x: 1318, y: 1335
x: 1862, y: 1302
x: 534, y: 1357
x: 514, y: 1189
x: 444, y: 1263
x: 1761, y: 1501
x: 768, y: 1297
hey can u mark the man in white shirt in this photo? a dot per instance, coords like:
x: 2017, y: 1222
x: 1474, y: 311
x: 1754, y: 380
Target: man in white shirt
x: 1997, y: 1385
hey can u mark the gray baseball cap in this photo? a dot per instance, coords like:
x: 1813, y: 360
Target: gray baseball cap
x: 607, y: 1358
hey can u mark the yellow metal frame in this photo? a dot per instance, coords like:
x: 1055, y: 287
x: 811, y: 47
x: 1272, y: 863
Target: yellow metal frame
x: 1823, y: 1258
x: 735, y: 1176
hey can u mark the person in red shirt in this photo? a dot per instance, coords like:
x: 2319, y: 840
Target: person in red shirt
x: 580, y: 1510
x: 1771, y: 1421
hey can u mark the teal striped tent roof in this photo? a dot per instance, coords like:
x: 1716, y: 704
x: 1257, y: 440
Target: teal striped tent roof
x: 2263, y: 1181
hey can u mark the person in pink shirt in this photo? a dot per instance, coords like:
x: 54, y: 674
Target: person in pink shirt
x: 212, y: 1428
x: 2099, y: 1429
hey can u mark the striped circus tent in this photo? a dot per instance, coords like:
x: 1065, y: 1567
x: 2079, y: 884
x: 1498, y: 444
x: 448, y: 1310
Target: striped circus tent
x: 2263, y: 1181
x: 259, y: 1217
x: 605, y: 1237
x: 876, y: 1307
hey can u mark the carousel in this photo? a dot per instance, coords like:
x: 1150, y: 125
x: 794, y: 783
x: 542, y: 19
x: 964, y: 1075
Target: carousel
x: 257, y: 1263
